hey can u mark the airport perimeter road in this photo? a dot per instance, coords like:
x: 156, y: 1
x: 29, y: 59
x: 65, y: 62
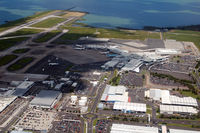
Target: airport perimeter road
x: 99, y: 93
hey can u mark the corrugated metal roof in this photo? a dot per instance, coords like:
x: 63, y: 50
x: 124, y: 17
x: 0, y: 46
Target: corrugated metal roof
x: 182, y: 131
x: 117, y: 98
x: 122, y: 128
x: 25, y: 85
x: 127, y: 106
x: 45, y: 98
x: 178, y: 109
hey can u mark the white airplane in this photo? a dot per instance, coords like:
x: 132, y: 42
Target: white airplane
x: 79, y: 48
x: 77, y: 45
x: 53, y: 64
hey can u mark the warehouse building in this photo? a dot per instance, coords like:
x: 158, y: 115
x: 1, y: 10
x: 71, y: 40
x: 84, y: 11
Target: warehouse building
x: 165, y: 98
x: 114, y: 94
x: 46, y: 99
x: 22, y: 88
x: 122, y: 128
x: 157, y: 94
x: 182, y: 131
x: 182, y: 101
x: 128, y: 107
x: 172, y: 109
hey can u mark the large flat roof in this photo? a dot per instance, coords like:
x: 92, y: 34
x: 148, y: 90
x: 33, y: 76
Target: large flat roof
x: 136, y: 107
x: 45, y: 98
x: 25, y: 85
x: 179, y: 109
x: 122, y: 128
x: 182, y: 131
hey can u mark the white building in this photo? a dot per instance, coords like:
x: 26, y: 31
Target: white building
x: 122, y: 128
x: 74, y: 99
x: 115, y: 94
x: 157, y: 94
x: 127, y: 107
x: 165, y: 98
x: 83, y: 101
x: 172, y: 109
x: 182, y: 131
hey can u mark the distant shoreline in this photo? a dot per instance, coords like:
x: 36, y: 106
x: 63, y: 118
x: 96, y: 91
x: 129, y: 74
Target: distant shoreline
x: 148, y: 28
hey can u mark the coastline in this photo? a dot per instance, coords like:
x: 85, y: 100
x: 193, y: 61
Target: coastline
x: 147, y: 28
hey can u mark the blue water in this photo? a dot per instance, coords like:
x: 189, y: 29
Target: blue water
x: 112, y: 13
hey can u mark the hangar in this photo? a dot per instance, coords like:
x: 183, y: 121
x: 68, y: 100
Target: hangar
x: 46, y: 99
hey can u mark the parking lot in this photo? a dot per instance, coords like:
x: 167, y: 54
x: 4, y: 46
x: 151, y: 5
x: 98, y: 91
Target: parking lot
x: 102, y: 126
x: 36, y: 120
x: 172, y: 67
x: 187, y: 59
x: 67, y: 124
x: 164, y: 81
x: 131, y: 79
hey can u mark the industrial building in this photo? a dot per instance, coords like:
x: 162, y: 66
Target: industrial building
x: 46, y: 99
x: 128, y: 107
x: 183, y: 101
x: 6, y: 101
x: 20, y: 132
x: 165, y: 98
x: 22, y: 88
x: 182, y: 131
x: 171, y: 104
x: 122, y: 128
x: 172, y: 109
x: 114, y: 94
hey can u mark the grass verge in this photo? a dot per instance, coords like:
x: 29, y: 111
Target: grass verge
x: 25, y: 31
x: 21, y: 63
x: 7, y: 59
x: 48, y: 23
x: 7, y: 43
x: 21, y: 51
x: 47, y: 36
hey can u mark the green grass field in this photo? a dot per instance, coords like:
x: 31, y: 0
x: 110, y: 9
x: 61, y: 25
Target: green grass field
x: 21, y: 63
x: 179, y: 125
x: 181, y: 35
x: 21, y: 51
x: 154, y: 35
x: 24, y: 32
x: 77, y: 32
x: 47, y: 36
x: 7, y: 43
x: 7, y: 59
x: 48, y: 22
x: 190, y: 94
